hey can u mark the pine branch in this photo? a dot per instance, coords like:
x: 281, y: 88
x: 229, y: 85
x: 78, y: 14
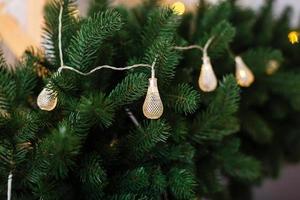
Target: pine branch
x: 254, y: 125
x: 158, y: 36
x: 180, y: 129
x: 80, y: 123
x: 49, y: 189
x: 183, y: 153
x: 56, y: 153
x: 236, y: 164
x: 128, y: 196
x: 144, y: 138
x: 209, y: 180
x: 227, y: 98
x: 161, y: 23
x: 182, y: 183
x: 97, y: 109
x: 243, y: 167
x: 93, y: 177
x: 29, y: 125
x: 92, y: 172
x: 167, y: 59
x: 158, y: 183
x: 132, y: 88
x: 2, y: 61
x: 6, y: 156
x: 65, y: 85
x: 26, y: 80
x: 135, y: 180
x: 91, y: 37
x: 218, y: 120
x: 70, y: 26
x: 147, y: 182
x: 224, y: 34
x: 280, y: 81
x: 263, y: 25
x: 214, y: 15
x: 183, y: 99
x: 7, y: 91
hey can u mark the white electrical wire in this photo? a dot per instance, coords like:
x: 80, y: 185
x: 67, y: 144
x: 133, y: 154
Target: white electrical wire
x: 64, y: 67
x: 101, y: 67
x: 132, y: 117
x: 208, y: 43
x: 203, y: 49
x: 59, y: 36
x: 9, y: 185
x: 189, y: 47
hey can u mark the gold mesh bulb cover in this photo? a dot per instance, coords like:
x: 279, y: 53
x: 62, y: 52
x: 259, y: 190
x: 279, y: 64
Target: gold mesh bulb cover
x: 207, y: 80
x: 47, y: 99
x: 244, y: 75
x: 153, y: 107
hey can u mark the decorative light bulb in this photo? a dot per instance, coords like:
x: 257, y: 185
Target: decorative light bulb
x: 272, y: 67
x: 207, y: 81
x: 178, y: 8
x: 47, y: 99
x: 293, y: 37
x: 244, y: 75
x: 153, y: 107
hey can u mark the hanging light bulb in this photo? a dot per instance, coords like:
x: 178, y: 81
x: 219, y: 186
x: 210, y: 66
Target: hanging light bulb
x: 153, y: 107
x: 244, y: 75
x: 272, y: 67
x: 207, y: 81
x: 47, y: 99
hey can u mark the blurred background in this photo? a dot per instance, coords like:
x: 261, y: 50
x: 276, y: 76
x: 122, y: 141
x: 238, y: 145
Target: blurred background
x: 21, y: 23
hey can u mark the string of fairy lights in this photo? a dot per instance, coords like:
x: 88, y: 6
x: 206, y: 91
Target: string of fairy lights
x: 153, y: 106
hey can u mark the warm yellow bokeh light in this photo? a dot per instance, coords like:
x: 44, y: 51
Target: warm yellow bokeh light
x: 272, y: 67
x: 293, y: 37
x: 178, y: 8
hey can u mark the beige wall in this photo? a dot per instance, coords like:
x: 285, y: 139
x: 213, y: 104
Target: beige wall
x: 279, y: 5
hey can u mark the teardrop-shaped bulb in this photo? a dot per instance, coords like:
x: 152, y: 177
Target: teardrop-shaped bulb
x: 244, y: 75
x: 272, y: 67
x: 47, y: 99
x: 153, y: 107
x: 207, y: 81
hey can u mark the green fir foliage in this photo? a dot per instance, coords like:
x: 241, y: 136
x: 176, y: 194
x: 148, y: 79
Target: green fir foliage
x: 89, y: 148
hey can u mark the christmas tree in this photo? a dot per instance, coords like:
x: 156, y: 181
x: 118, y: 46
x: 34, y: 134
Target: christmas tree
x: 105, y: 135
